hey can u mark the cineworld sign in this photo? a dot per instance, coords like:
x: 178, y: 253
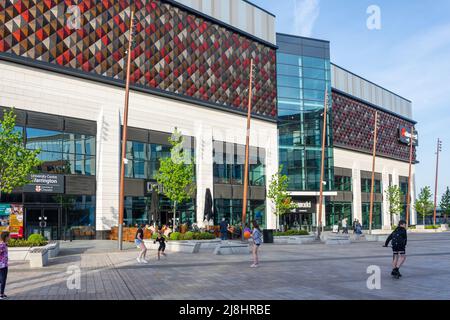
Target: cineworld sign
x: 405, y: 136
x: 45, y: 183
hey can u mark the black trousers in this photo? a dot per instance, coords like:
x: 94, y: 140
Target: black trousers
x: 3, y: 276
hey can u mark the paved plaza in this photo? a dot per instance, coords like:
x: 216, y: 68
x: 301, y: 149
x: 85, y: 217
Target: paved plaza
x: 287, y: 272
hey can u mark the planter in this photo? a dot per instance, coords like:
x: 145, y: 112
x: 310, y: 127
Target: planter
x: 175, y: 246
x: 293, y: 239
x: 18, y: 253
x: 444, y: 227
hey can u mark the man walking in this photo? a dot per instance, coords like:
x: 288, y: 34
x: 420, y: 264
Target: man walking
x: 344, y: 226
x: 399, y: 240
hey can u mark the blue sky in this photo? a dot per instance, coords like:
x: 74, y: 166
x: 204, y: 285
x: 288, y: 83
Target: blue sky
x: 409, y: 55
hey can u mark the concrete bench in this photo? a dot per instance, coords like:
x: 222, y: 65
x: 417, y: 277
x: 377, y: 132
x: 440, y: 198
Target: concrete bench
x: 338, y: 239
x: 206, y: 245
x: 53, y: 249
x: 38, y: 257
x: 293, y: 239
x: 175, y: 246
x: 232, y: 248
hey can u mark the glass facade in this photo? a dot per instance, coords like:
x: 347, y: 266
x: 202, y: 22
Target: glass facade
x: 231, y: 210
x: 366, y: 184
x: 143, y: 163
x: 337, y: 211
x: 302, y: 81
x: 229, y: 162
x: 376, y: 215
x: 343, y: 183
x: 62, y: 152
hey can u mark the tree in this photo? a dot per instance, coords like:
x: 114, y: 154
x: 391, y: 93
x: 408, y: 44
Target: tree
x: 423, y: 204
x: 445, y: 203
x: 176, y: 174
x: 16, y: 162
x: 394, y: 196
x: 279, y: 195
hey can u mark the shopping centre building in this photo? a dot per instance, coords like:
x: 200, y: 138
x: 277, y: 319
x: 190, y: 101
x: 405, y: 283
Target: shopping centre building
x: 63, y: 69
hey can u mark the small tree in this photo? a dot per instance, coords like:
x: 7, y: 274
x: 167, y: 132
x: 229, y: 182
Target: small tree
x: 423, y: 204
x: 176, y: 174
x: 445, y: 203
x: 394, y: 196
x: 16, y: 162
x: 278, y: 194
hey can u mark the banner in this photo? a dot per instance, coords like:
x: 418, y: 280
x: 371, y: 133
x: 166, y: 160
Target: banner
x: 11, y: 219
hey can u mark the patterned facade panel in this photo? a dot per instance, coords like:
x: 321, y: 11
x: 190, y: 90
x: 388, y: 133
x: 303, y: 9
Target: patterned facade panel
x: 174, y: 50
x: 353, y: 123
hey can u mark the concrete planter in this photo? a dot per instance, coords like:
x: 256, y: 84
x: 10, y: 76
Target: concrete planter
x: 175, y: 246
x: 336, y: 239
x: 233, y: 248
x: 444, y: 227
x: 18, y: 253
x: 293, y: 239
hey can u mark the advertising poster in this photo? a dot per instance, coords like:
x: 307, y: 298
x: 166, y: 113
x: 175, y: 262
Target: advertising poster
x: 11, y: 219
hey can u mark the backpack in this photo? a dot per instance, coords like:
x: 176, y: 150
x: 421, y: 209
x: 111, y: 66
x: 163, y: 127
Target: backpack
x: 397, y: 239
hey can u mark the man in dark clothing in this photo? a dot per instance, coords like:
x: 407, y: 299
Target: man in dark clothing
x: 223, y: 229
x: 399, y: 240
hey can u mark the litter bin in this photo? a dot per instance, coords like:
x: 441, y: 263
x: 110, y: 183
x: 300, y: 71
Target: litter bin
x: 268, y: 236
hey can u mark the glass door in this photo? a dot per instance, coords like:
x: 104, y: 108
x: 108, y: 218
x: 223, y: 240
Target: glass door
x: 45, y: 221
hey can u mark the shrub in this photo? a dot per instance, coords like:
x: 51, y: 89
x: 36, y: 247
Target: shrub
x: 207, y: 236
x: 175, y: 236
x: 36, y: 238
x: 188, y: 236
x: 291, y: 233
x: 25, y: 243
x: 432, y: 227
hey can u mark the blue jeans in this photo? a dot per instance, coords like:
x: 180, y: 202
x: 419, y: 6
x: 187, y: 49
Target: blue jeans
x: 223, y: 236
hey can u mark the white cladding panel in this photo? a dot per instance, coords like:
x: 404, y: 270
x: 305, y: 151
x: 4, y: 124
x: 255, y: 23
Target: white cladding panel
x: 238, y: 13
x: 358, y: 87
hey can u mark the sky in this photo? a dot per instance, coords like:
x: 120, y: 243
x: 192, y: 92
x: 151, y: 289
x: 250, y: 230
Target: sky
x: 409, y: 54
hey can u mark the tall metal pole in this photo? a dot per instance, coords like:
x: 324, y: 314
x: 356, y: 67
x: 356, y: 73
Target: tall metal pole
x: 374, y: 156
x: 322, y: 165
x: 247, y: 145
x: 439, y: 148
x: 408, y: 195
x: 124, y: 135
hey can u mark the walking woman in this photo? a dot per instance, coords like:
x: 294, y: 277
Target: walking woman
x: 4, y: 238
x: 162, y: 245
x: 257, y: 240
x: 139, y: 241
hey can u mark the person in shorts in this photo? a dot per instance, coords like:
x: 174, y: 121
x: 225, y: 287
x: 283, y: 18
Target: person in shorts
x: 162, y: 245
x: 257, y: 240
x: 399, y: 240
x: 139, y: 241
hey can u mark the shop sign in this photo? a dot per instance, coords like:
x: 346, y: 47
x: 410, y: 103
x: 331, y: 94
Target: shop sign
x: 45, y: 183
x: 11, y: 219
x: 405, y: 136
x: 150, y: 186
x: 306, y: 206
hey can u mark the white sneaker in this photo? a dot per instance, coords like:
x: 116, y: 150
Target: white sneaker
x: 144, y: 261
x: 253, y: 266
x: 138, y: 260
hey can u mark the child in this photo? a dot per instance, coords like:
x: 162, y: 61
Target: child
x: 399, y: 239
x: 256, y: 236
x: 139, y: 241
x: 162, y: 245
x: 4, y: 238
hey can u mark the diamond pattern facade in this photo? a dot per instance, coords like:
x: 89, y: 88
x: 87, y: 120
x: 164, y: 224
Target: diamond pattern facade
x: 353, y: 128
x: 174, y: 50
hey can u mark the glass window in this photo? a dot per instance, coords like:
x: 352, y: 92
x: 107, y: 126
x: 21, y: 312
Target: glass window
x: 45, y: 140
x: 314, y: 84
x: 288, y: 70
x: 313, y: 62
x: 314, y: 95
x: 286, y: 81
x: 289, y: 59
x: 292, y: 93
x: 314, y: 73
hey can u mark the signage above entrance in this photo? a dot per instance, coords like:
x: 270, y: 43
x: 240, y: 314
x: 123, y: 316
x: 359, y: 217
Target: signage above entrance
x: 306, y: 205
x: 405, y: 136
x: 150, y: 186
x: 45, y: 183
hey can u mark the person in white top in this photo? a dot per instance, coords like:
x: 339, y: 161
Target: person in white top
x: 344, y: 226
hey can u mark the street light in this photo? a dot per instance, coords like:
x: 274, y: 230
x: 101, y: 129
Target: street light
x: 322, y: 164
x: 374, y: 155
x: 439, y: 150
x: 408, y: 196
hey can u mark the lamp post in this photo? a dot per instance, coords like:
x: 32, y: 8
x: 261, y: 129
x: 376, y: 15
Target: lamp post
x: 374, y: 156
x: 408, y: 196
x: 322, y: 165
x: 123, y: 160
x: 247, y: 147
x: 439, y: 149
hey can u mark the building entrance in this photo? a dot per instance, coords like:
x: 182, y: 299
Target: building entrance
x: 43, y: 220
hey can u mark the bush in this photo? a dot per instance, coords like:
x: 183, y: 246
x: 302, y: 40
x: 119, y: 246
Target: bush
x: 188, y: 236
x: 155, y: 235
x: 15, y: 243
x: 292, y: 233
x: 175, y: 236
x: 36, y: 238
x: 206, y: 236
x: 431, y: 227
